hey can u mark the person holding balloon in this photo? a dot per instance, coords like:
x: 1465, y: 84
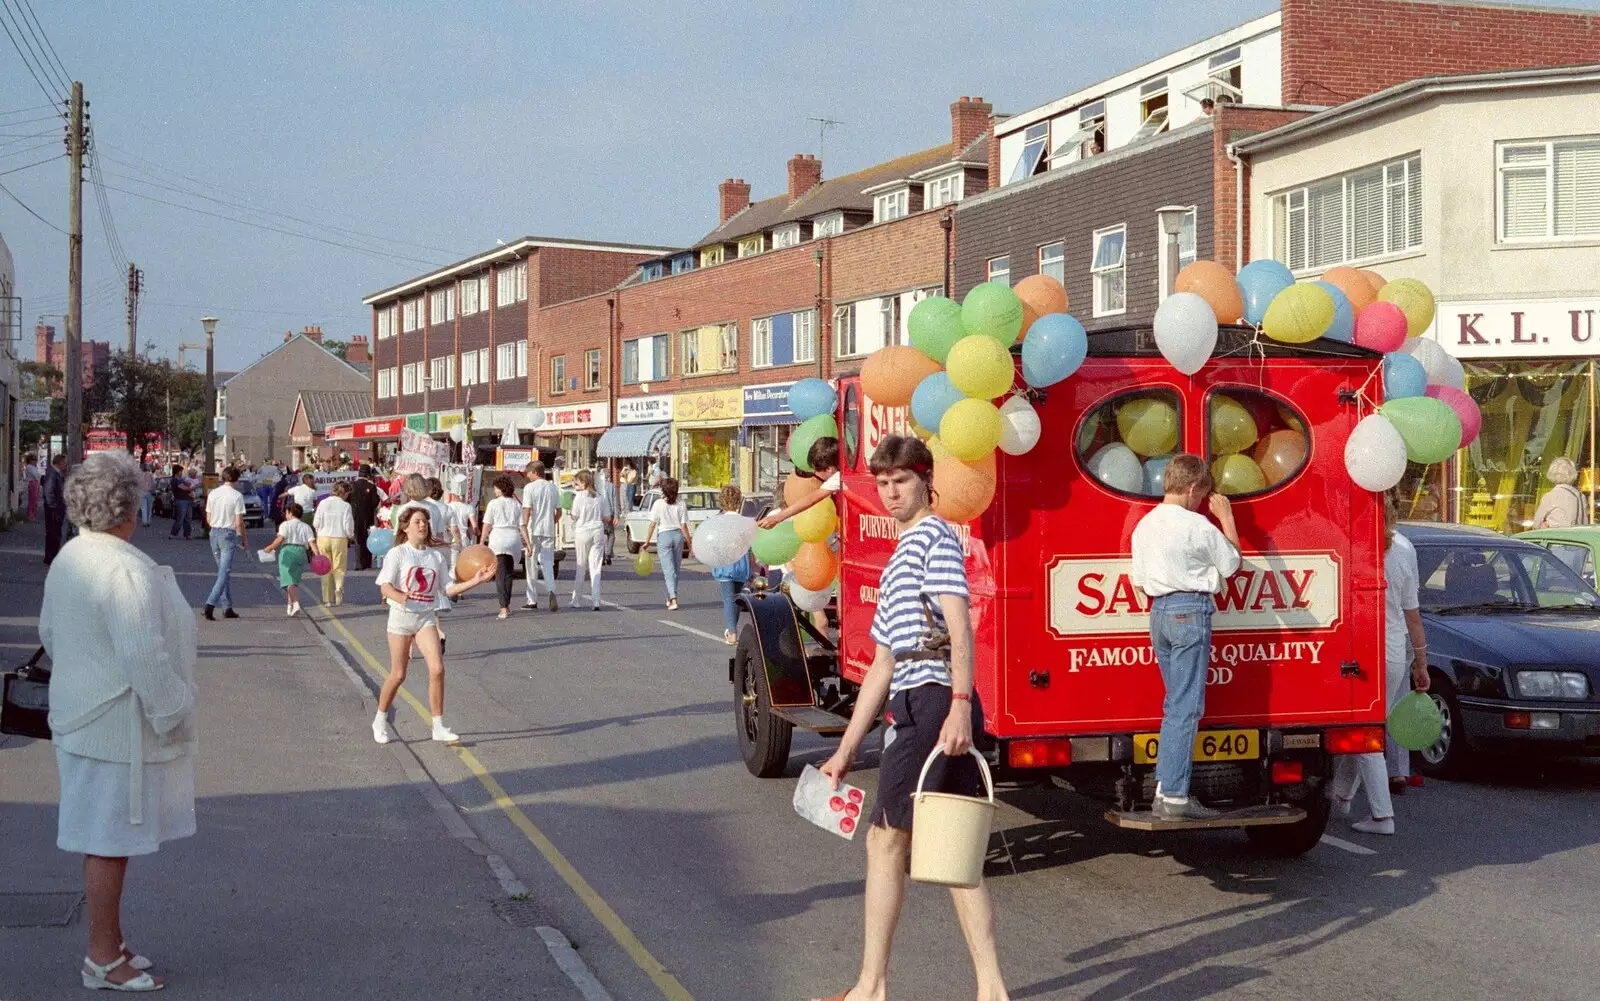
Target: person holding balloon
x: 732, y: 578
x: 294, y: 540
x: 823, y: 458
x: 335, y: 525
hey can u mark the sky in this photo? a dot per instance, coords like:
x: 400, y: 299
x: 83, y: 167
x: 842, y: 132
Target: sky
x: 418, y: 134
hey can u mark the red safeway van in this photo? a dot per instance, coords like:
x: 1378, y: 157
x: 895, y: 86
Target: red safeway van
x: 1063, y: 660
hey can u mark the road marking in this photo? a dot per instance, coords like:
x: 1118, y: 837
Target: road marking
x: 602, y: 911
x: 691, y: 629
x: 1348, y: 846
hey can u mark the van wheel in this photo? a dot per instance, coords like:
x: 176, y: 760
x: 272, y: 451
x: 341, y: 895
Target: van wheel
x: 1293, y: 840
x: 1450, y: 756
x: 763, y: 738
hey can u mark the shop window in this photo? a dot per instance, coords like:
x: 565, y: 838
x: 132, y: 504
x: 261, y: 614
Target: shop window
x: 1126, y: 442
x: 852, y: 425
x: 1533, y: 413
x: 1254, y: 442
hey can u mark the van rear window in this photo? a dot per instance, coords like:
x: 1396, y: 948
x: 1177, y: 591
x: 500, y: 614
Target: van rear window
x: 1125, y: 443
x: 1254, y: 442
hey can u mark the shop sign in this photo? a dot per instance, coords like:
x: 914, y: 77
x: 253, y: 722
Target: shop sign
x: 714, y: 406
x: 417, y: 422
x: 39, y: 410
x: 767, y: 401
x: 387, y: 427
x: 514, y: 459
x: 879, y: 422
x: 1519, y: 328
x: 447, y: 419
x: 645, y: 409
x: 576, y: 417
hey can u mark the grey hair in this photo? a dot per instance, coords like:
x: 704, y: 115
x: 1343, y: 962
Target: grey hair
x: 104, y: 492
x: 416, y: 488
x: 1562, y: 470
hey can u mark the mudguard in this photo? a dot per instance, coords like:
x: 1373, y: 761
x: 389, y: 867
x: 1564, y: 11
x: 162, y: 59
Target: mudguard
x: 778, y: 638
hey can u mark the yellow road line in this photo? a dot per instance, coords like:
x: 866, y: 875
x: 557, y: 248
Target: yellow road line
x: 613, y: 923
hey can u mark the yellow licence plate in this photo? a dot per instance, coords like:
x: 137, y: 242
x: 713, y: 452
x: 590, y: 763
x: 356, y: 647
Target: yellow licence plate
x: 1209, y: 745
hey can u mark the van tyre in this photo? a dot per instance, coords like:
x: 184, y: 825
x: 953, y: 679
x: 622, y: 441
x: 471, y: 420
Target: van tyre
x: 1293, y: 840
x: 763, y: 738
x: 1451, y: 757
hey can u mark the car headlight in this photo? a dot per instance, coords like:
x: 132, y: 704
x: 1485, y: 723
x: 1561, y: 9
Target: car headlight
x: 1552, y: 684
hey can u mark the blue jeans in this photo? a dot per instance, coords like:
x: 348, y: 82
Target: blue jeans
x: 730, y: 611
x: 264, y: 495
x: 1180, y: 633
x: 147, y: 503
x: 181, y: 512
x: 224, y: 543
x: 627, y: 500
x: 669, y: 547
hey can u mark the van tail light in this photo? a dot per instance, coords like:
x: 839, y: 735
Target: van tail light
x: 1039, y: 753
x: 1354, y: 740
x: 1288, y: 773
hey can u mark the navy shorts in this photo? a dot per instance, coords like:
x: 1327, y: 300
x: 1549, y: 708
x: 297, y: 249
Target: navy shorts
x: 919, y: 714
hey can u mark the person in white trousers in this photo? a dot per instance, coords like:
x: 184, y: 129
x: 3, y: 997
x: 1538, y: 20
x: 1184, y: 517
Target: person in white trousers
x: 541, y: 511
x: 592, y: 514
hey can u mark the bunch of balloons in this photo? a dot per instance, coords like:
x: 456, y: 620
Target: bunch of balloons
x: 801, y: 543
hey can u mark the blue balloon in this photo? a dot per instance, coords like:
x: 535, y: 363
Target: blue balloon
x: 933, y: 396
x: 1261, y: 282
x: 1053, y: 349
x: 810, y: 398
x: 1343, y: 327
x: 1403, y: 375
x: 380, y: 541
x: 1154, y: 469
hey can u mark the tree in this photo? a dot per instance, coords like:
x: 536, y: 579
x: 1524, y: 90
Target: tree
x: 135, y: 394
x: 191, y: 429
x: 338, y: 347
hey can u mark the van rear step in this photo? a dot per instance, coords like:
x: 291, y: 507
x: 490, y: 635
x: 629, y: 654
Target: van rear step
x: 1249, y: 816
x: 818, y: 721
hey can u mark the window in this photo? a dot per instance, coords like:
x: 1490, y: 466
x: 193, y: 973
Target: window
x: 505, y: 360
x: 1126, y: 442
x: 831, y: 224
x: 470, y: 301
x: 844, y: 331
x: 1109, y: 269
x: 1550, y: 190
x: 805, y: 335
x: 889, y: 320
x: 386, y: 383
x: 892, y: 205
x: 522, y: 359
x: 511, y: 284
x: 750, y: 246
x: 483, y: 365
x: 711, y: 256
x: 644, y: 359
x: 469, y: 369
x: 1226, y: 74
x: 1254, y: 442
x: 408, y: 315
x: 442, y: 306
x: 591, y: 366
x: 1359, y: 216
x: 1152, y: 108
x: 1034, y: 142
x: 558, y: 375
x: 630, y: 363
x: 1053, y: 261
x: 761, y: 342
x: 944, y: 190
x: 650, y: 272
x: 408, y: 379
x: 1579, y: 559
x: 786, y: 236
x: 711, y: 348
x: 386, y: 319
x: 682, y: 263
x: 661, y: 357
x: 689, y: 346
x: 443, y: 373
x: 1186, y: 244
x: 999, y: 270
x: 1092, y: 126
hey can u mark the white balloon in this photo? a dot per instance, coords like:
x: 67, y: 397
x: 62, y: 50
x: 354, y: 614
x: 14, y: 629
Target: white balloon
x: 1442, y: 370
x: 1019, y: 426
x: 1375, y: 454
x: 1117, y: 466
x: 1186, y: 331
x: 1454, y: 375
x: 457, y: 433
x: 537, y: 422
x: 722, y: 540
x: 808, y: 600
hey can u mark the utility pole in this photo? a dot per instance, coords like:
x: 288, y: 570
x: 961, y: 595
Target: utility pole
x: 74, y: 366
x: 135, y: 285
x: 210, y: 323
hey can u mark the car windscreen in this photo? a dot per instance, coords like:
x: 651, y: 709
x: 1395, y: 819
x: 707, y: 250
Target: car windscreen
x: 1477, y: 577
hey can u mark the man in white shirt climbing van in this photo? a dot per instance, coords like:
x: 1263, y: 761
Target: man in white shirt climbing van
x: 1180, y: 560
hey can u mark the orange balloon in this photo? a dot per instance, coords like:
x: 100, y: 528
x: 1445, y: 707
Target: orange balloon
x: 1279, y: 454
x: 1040, y: 294
x: 1355, y: 285
x: 891, y: 374
x: 799, y: 486
x: 471, y: 560
x: 1376, y: 280
x: 1217, y: 286
x: 962, y: 490
x: 814, y: 566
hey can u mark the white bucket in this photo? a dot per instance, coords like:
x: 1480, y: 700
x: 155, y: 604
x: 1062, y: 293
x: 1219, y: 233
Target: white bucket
x: 950, y: 833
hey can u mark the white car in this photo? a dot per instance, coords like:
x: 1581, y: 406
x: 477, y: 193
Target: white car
x: 701, y: 503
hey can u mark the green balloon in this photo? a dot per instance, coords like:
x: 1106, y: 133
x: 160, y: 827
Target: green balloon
x: 935, y: 326
x: 802, y: 438
x: 993, y: 310
x: 566, y: 500
x: 1429, y: 427
x: 1415, y: 723
x: 773, y: 546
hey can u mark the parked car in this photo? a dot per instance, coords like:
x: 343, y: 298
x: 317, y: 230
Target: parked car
x: 1513, y: 646
x: 1578, y: 547
x: 701, y: 503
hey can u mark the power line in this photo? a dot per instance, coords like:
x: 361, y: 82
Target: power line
x: 48, y: 159
x: 23, y: 111
x: 36, y: 46
x: 31, y: 212
x: 29, y: 149
x: 107, y: 222
x: 59, y: 64
x: 27, y: 61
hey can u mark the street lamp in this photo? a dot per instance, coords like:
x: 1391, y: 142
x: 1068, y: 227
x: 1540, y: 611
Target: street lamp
x: 210, y: 323
x: 427, y: 404
x: 1171, y: 218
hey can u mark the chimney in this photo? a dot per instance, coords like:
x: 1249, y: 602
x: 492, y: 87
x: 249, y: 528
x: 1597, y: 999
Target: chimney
x: 288, y: 335
x: 805, y: 173
x: 734, y: 195
x: 969, y: 119
x: 312, y: 332
x: 44, y: 337
x: 356, y: 353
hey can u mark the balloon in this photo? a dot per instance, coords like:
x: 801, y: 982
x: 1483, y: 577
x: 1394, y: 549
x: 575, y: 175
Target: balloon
x: 933, y: 397
x: 1430, y: 429
x: 1237, y: 474
x: 1375, y: 454
x: 1232, y: 428
x: 814, y: 566
x: 992, y: 310
x: 1148, y: 425
x: 798, y: 486
x: 723, y: 540
x: 1040, y: 295
x: 921, y: 432
x: 1020, y: 427
x: 806, y: 599
x: 1381, y: 326
x: 1375, y: 281
x: 1261, y: 281
x: 1154, y: 470
x: 1186, y: 330
x: 1054, y: 348
x: 1216, y: 285
x: 1441, y: 368
x: 535, y: 420
x: 1403, y: 375
x: 806, y: 435
x: 1300, y: 313
x: 319, y: 564
x: 971, y: 429
x: 935, y: 326
x: 1354, y: 285
x: 810, y: 398
x: 458, y: 433
x: 890, y: 374
x: 774, y: 546
x: 962, y: 490
x: 980, y: 366
x: 1343, y: 327
x: 566, y: 500
x: 1415, y: 722
x: 1466, y: 409
x: 814, y: 524
x: 380, y: 541
x: 1118, y: 468
x: 1279, y: 454
x: 1450, y: 373
x: 643, y: 563
x: 1414, y: 299
x: 471, y: 559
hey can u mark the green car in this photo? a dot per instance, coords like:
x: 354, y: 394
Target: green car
x: 1578, y: 547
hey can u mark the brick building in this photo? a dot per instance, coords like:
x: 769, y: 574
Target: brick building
x: 256, y: 405
x: 95, y: 355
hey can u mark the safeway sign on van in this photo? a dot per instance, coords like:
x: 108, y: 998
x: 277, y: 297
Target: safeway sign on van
x: 1268, y: 592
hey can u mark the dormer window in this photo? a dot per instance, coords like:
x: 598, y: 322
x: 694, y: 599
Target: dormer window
x: 1086, y: 140
x: 653, y: 270
x: 786, y: 236
x: 711, y: 256
x: 831, y: 224
x: 682, y: 263
x: 750, y: 246
x: 894, y: 204
x: 945, y: 190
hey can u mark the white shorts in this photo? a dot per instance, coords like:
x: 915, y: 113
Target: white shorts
x: 404, y: 623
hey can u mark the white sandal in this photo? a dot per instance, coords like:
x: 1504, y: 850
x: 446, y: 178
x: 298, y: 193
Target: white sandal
x: 94, y: 978
x: 135, y: 960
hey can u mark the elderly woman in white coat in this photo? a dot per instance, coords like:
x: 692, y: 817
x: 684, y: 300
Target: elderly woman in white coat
x: 121, y: 639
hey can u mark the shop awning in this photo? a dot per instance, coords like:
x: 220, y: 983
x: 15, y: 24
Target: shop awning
x: 627, y: 441
x: 767, y: 420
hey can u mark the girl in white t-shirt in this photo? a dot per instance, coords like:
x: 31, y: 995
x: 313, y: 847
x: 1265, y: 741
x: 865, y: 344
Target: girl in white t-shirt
x: 591, y: 515
x: 502, y: 533
x: 669, y: 527
x: 292, y: 545
x: 414, y: 580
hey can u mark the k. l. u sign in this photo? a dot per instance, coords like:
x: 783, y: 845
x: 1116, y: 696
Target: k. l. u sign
x: 1538, y: 328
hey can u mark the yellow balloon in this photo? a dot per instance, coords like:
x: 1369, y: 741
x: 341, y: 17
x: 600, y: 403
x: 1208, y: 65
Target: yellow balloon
x: 1298, y: 314
x: 980, y: 366
x: 1148, y: 425
x: 1237, y: 474
x: 936, y: 446
x: 921, y: 432
x: 1414, y: 300
x: 971, y: 429
x: 817, y: 522
x: 1232, y: 428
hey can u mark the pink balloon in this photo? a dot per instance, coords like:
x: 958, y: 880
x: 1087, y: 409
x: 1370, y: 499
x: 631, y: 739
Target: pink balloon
x: 1381, y: 326
x: 1465, y: 407
x: 320, y: 564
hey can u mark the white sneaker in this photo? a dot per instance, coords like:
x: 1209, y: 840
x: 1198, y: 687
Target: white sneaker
x: 1371, y: 826
x: 382, y: 731
x: 444, y: 734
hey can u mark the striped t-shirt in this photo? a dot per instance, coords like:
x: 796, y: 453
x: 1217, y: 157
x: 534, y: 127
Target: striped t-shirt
x: 927, y: 561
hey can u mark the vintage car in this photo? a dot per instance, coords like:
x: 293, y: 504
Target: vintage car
x: 1578, y: 547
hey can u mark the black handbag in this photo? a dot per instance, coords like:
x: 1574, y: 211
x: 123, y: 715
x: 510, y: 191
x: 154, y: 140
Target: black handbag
x: 25, y: 701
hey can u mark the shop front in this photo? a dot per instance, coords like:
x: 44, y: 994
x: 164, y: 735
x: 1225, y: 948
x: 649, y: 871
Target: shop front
x: 574, y: 430
x: 503, y: 425
x: 643, y: 428
x: 367, y: 439
x: 764, y: 438
x: 706, y: 429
